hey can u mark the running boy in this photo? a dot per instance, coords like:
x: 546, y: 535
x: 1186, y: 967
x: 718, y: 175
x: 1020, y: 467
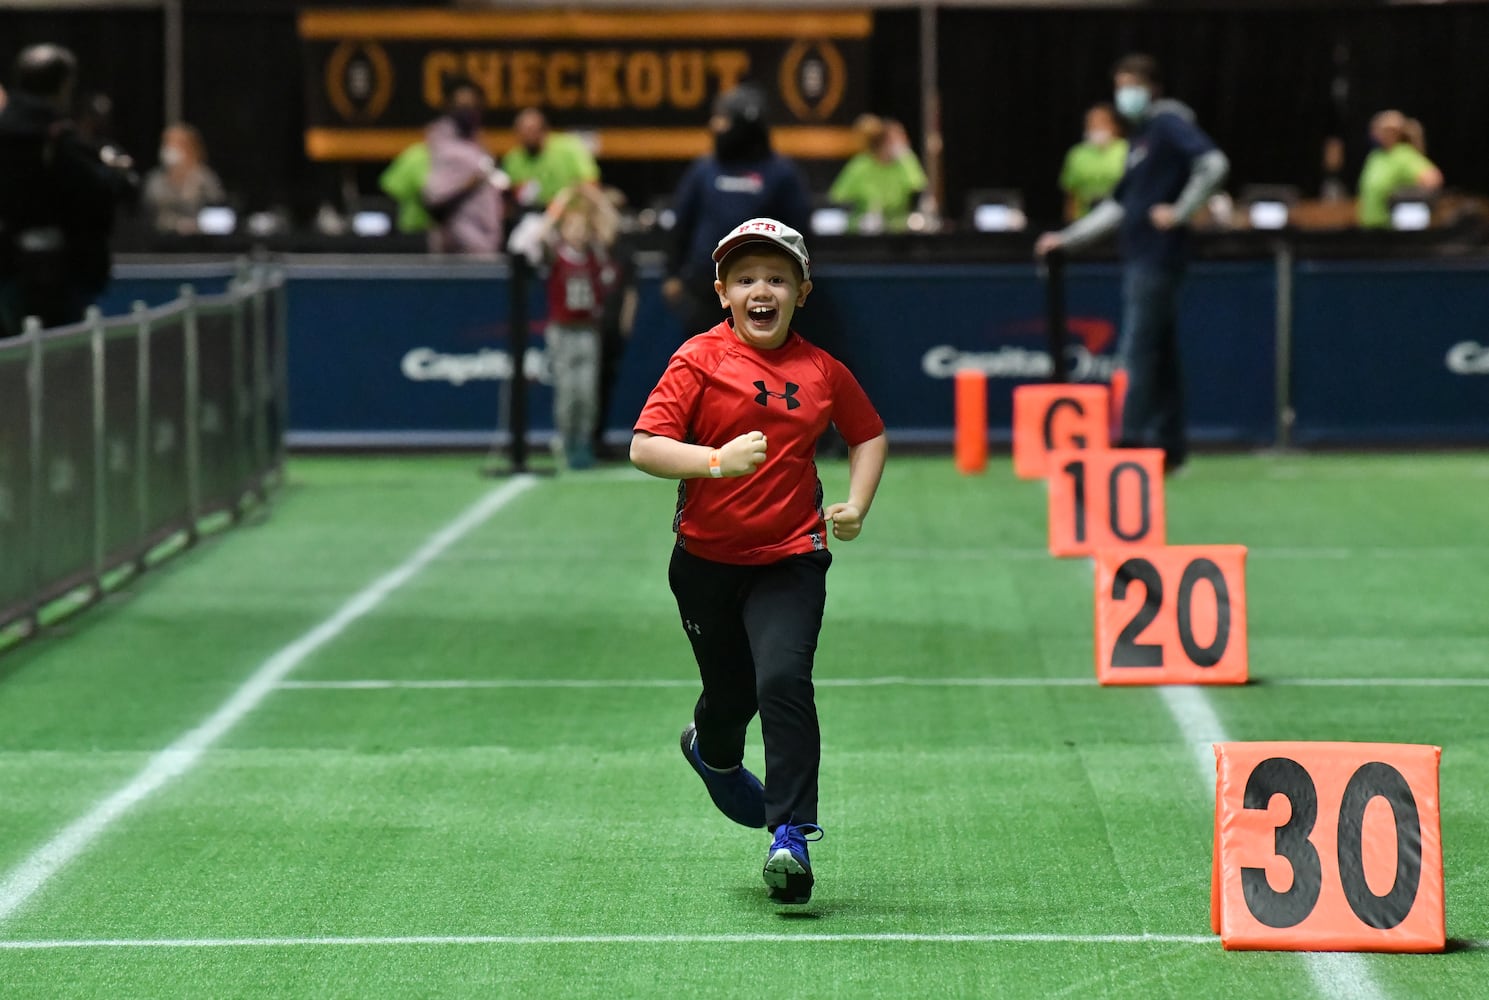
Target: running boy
x: 736, y: 417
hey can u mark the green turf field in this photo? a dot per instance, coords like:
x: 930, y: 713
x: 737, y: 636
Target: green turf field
x: 388, y: 743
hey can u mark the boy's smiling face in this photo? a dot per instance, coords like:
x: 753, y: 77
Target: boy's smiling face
x: 761, y: 287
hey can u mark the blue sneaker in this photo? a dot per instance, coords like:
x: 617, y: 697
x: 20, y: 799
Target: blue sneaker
x: 738, y: 793
x: 788, y: 870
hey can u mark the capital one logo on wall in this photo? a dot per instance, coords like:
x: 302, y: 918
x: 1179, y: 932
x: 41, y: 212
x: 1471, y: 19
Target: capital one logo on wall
x: 1021, y: 352
x: 427, y: 364
x: 1468, y: 357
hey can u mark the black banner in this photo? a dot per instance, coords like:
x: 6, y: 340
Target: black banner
x: 65, y: 521
x: 641, y: 83
x: 17, y: 567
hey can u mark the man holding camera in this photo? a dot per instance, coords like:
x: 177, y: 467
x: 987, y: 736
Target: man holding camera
x: 58, y: 196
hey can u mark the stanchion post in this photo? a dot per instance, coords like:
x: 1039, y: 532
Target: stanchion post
x: 1054, y: 314
x: 517, y: 345
x: 520, y: 272
x: 1283, y: 252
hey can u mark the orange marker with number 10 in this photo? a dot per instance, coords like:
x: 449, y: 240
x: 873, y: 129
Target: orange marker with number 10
x: 1105, y: 499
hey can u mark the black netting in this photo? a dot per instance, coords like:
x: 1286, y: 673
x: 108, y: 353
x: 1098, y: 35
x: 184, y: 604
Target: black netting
x: 124, y: 522
x: 274, y: 393
x: 65, y: 519
x: 258, y: 385
x: 17, y: 567
x: 80, y: 494
x: 223, y: 457
x: 167, y: 484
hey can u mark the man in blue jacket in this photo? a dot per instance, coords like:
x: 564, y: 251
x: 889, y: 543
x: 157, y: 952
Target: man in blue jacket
x: 1172, y: 168
x: 742, y: 179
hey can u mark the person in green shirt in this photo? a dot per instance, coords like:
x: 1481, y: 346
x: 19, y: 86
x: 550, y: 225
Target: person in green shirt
x: 403, y: 181
x: 1093, y: 166
x: 543, y: 162
x: 878, y: 184
x: 1398, y: 163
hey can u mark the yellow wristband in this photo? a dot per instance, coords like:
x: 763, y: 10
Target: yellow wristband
x: 714, y: 468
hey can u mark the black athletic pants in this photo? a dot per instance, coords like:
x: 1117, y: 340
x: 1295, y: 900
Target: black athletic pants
x: 754, y: 634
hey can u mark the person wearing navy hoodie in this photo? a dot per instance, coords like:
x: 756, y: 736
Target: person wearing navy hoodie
x: 741, y: 179
x: 1172, y: 168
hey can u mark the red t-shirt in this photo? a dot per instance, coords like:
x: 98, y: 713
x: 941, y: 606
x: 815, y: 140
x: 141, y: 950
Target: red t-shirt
x: 577, y: 285
x: 716, y: 388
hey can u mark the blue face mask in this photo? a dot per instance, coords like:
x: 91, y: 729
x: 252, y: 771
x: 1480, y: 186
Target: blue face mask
x: 1132, y: 101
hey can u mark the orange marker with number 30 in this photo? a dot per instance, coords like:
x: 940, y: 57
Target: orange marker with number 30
x: 1327, y: 847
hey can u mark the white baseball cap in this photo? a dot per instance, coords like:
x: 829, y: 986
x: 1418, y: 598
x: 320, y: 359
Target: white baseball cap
x: 765, y: 231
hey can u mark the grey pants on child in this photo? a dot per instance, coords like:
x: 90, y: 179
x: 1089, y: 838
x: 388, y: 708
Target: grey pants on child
x: 574, y: 355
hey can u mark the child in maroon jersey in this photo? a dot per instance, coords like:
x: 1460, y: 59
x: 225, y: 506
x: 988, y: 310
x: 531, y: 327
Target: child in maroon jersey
x: 580, y: 226
x: 736, y: 417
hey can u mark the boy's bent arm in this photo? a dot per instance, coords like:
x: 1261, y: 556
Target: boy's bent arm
x: 666, y: 458
x: 865, y: 468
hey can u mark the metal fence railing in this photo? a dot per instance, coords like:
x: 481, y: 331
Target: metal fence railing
x: 119, y: 433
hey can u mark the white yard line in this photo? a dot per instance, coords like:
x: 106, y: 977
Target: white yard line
x: 32, y: 874
x: 673, y: 682
x: 476, y: 683
x: 1298, y: 552
x: 424, y: 940
x: 1374, y: 472
x: 583, y: 939
x: 1199, y: 725
x: 1336, y: 976
x: 1406, y: 682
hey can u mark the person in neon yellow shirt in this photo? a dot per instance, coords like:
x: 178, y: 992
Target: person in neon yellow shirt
x: 878, y: 183
x: 1397, y: 164
x: 1093, y: 166
x: 403, y: 181
x: 543, y: 162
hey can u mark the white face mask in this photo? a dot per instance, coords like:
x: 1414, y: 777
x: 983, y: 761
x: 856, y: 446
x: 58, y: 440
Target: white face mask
x: 1098, y: 137
x: 1132, y: 101
x: 171, y: 156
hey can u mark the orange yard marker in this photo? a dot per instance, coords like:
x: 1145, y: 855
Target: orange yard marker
x: 971, y: 421
x: 1327, y: 847
x: 1171, y: 615
x: 1105, y: 499
x: 1051, y: 417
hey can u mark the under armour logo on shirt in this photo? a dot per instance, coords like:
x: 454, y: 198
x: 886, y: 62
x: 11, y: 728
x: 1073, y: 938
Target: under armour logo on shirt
x: 789, y: 395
